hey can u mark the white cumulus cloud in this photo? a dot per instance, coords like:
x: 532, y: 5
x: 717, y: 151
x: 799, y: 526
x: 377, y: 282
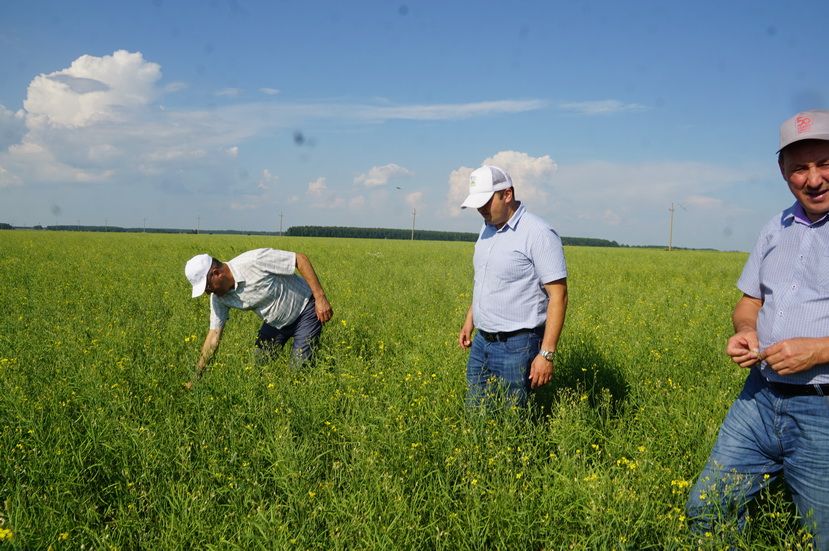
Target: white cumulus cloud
x: 415, y: 199
x: 266, y: 180
x: 380, y: 175
x: 93, y: 89
x: 318, y: 187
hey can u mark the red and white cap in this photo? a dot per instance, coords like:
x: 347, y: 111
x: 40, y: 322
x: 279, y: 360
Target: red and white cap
x: 483, y: 182
x: 806, y: 125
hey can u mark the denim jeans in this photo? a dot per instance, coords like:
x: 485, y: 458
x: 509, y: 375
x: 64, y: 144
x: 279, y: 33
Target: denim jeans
x: 500, y: 368
x: 305, y: 330
x: 766, y: 435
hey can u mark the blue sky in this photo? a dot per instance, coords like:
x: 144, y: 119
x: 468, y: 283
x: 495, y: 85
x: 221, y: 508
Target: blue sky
x: 228, y: 114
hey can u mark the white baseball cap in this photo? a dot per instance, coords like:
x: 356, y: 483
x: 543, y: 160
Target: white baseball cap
x: 196, y: 271
x: 806, y: 125
x: 483, y: 182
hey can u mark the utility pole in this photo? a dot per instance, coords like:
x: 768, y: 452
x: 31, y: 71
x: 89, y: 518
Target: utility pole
x: 414, y: 213
x: 280, y: 223
x: 671, y: 227
x: 198, y: 224
x: 106, y: 225
x: 145, y: 225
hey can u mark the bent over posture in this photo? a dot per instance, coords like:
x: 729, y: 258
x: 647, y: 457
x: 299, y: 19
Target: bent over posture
x: 262, y: 280
x: 779, y: 425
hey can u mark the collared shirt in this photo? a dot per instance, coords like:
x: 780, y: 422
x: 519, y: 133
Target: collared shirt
x: 265, y: 283
x: 789, y: 271
x: 511, y: 267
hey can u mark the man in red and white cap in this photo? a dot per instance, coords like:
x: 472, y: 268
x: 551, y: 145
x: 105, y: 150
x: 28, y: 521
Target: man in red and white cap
x: 779, y: 425
x: 262, y: 280
x: 519, y: 298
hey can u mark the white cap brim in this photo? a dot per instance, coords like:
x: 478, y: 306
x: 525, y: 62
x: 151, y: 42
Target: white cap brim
x: 477, y: 200
x: 198, y: 288
x: 196, y: 271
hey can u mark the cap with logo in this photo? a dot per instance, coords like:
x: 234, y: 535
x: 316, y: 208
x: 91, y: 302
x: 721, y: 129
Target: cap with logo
x: 483, y: 182
x: 806, y: 125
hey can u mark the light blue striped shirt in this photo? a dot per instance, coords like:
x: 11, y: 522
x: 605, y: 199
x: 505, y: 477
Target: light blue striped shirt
x: 511, y: 267
x: 789, y: 271
x: 265, y: 283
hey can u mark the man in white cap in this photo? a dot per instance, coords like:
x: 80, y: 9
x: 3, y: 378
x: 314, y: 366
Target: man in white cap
x: 519, y: 297
x: 262, y: 280
x: 779, y: 425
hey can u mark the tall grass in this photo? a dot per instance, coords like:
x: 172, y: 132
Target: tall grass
x: 373, y: 448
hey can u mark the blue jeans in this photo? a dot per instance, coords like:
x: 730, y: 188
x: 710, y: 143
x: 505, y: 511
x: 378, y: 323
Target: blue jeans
x: 766, y: 435
x: 500, y: 368
x: 305, y: 330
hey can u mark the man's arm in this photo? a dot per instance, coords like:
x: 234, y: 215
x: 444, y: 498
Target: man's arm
x: 208, y: 350
x: 465, y: 336
x: 306, y: 270
x: 743, y: 346
x: 541, y: 370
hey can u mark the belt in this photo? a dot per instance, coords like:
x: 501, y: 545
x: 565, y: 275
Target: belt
x: 504, y: 335
x: 788, y: 389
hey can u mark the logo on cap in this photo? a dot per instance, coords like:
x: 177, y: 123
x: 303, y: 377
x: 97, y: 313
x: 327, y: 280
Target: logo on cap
x: 803, y: 124
x: 472, y: 181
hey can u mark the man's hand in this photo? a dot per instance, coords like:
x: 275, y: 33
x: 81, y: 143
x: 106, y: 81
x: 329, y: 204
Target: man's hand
x: 795, y: 355
x: 744, y: 348
x: 465, y: 336
x: 192, y: 382
x: 323, y: 309
x: 541, y: 371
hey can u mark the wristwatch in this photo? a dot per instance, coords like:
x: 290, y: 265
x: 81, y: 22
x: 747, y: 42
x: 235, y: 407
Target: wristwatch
x: 547, y: 354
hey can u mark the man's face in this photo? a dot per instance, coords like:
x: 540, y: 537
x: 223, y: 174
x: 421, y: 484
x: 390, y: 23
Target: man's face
x: 805, y: 166
x: 217, y: 283
x: 496, y: 211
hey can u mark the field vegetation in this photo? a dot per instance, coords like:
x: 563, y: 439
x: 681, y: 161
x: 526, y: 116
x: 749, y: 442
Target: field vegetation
x: 102, y: 448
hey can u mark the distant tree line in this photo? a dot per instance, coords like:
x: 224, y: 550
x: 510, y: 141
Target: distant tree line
x: 378, y: 233
x: 424, y: 235
x: 74, y: 227
x: 322, y: 231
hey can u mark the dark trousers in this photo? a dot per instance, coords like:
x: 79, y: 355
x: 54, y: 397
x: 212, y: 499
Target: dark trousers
x: 305, y: 331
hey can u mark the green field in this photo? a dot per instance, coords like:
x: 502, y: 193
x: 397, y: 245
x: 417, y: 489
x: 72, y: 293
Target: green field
x: 102, y: 448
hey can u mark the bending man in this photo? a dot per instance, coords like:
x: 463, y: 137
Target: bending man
x: 262, y: 280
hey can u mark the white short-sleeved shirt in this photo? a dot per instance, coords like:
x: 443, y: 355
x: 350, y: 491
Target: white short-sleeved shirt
x: 512, y: 265
x: 266, y: 283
